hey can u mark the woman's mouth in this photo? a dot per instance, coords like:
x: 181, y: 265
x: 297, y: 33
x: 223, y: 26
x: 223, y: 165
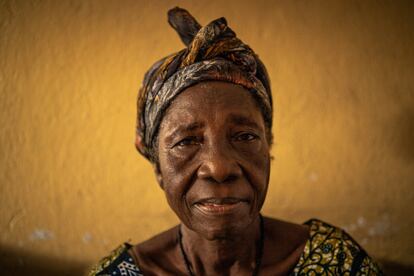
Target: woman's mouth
x: 220, y: 206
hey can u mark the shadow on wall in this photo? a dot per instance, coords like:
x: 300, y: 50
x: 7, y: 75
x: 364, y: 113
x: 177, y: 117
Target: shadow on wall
x: 404, y: 125
x: 14, y: 262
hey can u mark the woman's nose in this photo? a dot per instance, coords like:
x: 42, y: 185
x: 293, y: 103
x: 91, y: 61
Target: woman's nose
x: 219, y: 165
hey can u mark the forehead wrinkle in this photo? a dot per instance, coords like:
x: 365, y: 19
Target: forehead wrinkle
x: 185, y: 128
x: 239, y: 119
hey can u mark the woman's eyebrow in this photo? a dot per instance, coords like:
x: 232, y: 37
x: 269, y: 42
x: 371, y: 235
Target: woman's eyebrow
x: 243, y: 120
x: 185, y: 128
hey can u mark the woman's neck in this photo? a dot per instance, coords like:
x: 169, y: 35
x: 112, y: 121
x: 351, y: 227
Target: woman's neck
x: 235, y: 255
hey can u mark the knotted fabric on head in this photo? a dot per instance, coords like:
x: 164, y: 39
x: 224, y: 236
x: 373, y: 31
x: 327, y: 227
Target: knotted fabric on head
x: 212, y: 53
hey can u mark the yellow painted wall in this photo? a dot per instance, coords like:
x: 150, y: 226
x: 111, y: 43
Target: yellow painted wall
x: 72, y: 186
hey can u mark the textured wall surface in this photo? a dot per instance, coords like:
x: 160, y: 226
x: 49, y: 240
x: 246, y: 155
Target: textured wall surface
x: 72, y: 186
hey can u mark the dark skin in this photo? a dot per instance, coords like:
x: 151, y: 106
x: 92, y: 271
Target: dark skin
x: 214, y: 166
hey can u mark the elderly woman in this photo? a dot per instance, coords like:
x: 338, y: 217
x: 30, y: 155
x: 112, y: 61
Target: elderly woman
x: 204, y: 122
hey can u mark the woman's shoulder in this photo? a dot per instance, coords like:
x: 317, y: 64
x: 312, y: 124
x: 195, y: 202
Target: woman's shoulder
x: 330, y: 250
x: 130, y: 259
x: 118, y: 262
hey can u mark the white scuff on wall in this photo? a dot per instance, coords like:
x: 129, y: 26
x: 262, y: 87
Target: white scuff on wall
x: 41, y: 235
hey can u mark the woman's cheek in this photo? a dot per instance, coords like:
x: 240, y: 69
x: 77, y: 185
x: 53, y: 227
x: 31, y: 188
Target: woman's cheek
x: 256, y: 162
x: 253, y: 152
x: 179, y: 157
x: 177, y: 174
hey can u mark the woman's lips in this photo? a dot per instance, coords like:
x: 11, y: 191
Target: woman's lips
x: 220, y: 206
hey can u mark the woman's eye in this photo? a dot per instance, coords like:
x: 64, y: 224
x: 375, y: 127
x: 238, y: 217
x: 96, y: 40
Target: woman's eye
x: 188, y: 141
x: 246, y: 137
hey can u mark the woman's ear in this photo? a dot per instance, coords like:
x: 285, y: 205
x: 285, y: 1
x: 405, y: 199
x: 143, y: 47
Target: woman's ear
x: 139, y: 145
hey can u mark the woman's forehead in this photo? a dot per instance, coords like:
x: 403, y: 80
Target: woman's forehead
x: 214, y: 93
x: 213, y: 102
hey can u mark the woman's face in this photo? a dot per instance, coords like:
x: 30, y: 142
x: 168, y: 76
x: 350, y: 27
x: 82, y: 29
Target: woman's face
x: 214, y: 158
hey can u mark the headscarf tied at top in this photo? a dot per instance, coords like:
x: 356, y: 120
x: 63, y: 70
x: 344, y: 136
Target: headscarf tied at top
x: 212, y: 52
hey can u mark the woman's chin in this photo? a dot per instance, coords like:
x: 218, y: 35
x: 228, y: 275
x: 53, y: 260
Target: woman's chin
x: 222, y: 232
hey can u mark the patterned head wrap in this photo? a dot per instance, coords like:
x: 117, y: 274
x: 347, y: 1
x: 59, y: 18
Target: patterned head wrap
x: 212, y: 52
